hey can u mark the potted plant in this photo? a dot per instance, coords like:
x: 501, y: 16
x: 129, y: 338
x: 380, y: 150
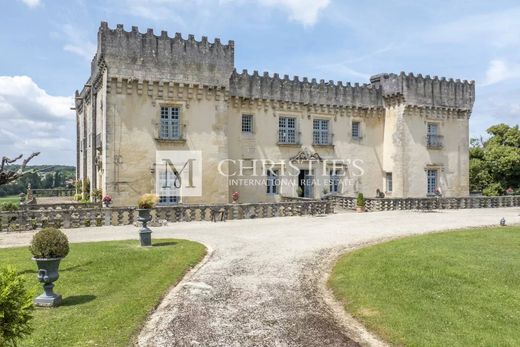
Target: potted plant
x: 107, y: 200
x: 235, y: 196
x: 144, y: 205
x: 360, y: 203
x: 48, y: 247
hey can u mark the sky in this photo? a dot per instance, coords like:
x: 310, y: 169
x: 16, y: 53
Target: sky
x: 46, y: 47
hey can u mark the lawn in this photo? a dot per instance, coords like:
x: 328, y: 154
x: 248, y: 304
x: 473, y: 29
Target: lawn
x: 450, y: 289
x: 10, y: 198
x: 108, y: 289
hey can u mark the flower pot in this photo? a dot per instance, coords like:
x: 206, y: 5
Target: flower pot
x: 360, y: 209
x: 145, y: 234
x: 47, y: 274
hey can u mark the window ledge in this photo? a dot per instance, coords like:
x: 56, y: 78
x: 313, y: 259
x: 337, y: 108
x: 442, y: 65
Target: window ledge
x: 329, y: 145
x: 161, y: 140
x: 284, y: 144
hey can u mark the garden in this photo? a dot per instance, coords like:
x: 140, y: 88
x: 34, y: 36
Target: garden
x: 456, y: 288
x: 108, y: 289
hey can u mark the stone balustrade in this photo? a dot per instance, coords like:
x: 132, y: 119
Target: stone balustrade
x: 61, y: 206
x: 53, y: 192
x: 31, y: 219
x: 389, y: 204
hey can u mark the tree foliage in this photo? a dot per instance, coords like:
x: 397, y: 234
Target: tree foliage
x: 15, y: 308
x: 495, y: 163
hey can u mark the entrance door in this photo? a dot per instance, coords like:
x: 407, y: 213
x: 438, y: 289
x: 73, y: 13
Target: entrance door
x: 305, y: 182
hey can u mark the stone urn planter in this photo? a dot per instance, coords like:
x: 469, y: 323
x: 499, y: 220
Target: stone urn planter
x: 49, y: 246
x: 145, y: 234
x: 47, y: 275
x: 144, y: 207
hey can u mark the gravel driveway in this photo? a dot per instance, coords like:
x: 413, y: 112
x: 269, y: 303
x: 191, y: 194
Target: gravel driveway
x: 262, y: 283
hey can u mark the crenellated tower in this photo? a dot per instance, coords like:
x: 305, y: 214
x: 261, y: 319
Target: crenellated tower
x: 131, y: 54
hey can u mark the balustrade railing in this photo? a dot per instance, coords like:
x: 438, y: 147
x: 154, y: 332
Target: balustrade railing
x: 30, y: 219
x: 390, y: 204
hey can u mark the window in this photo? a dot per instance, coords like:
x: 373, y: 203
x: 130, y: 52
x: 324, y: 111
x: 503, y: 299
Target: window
x: 272, y: 182
x: 170, y: 123
x: 431, y: 178
x: 287, y: 130
x: 169, y: 191
x: 389, y: 182
x: 433, y: 139
x: 334, y: 180
x: 320, y: 132
x: 356, y: 130
x: 247, y: 123
x: 168, y: 200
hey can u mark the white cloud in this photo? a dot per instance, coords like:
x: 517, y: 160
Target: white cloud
x: 499, y: 71
x: 32, y: 3
x: 304, y: 11
x: 32, y: 120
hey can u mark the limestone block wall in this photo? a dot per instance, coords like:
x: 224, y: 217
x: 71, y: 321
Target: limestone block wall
x: 134, y: 138
x: 148, y: 56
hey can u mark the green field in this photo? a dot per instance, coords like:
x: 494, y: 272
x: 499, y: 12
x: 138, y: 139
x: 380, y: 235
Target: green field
x: 450, y: 289
x: 10, y: 198
x: 108, y: 289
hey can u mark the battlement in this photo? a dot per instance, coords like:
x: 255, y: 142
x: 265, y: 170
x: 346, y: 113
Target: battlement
x: 427, y: 91
x: 264, y: 86
x: 148, y: 56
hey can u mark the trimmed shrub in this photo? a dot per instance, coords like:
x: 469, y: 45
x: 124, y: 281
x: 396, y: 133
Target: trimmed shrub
x: 360, y: 201
x: 49, y: 243
x: 15, y: 308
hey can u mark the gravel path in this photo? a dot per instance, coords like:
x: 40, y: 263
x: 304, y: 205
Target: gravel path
x: 263, y: 282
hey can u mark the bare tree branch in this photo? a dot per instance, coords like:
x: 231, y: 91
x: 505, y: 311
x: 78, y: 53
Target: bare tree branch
x: 7, y: 176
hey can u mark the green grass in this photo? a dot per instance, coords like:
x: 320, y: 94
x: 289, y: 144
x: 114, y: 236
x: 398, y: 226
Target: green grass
x: 108, y: 289
x: 10, y: 198
x: 450, y: 289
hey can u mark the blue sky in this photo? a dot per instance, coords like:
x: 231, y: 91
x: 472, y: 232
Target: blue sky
x: 47, y: 45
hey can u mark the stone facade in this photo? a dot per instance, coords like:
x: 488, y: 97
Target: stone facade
x: 409, y: 126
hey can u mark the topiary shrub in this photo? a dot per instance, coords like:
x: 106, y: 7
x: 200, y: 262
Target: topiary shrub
x: 49, y: 243
x: 360, y: 201
x: 15, y: 308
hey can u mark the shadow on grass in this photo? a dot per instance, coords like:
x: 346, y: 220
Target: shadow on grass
x: 75, y: 267
x: 70, y: 268
x: 162, y: 244
x: 77, y: 300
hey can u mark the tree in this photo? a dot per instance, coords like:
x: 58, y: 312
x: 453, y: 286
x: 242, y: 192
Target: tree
x: 495, y: 162
x: 7, y: 176
x: 15, y: 308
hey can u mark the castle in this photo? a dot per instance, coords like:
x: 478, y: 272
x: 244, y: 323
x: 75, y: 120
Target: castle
x: 402, y: 134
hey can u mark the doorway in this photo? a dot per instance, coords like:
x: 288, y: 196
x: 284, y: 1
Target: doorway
x: 305, y: 183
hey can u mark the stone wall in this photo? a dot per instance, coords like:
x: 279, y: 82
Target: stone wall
x: 95, y: 217
x: 147, y: 56
x: 427, y: 91
x: 375, y: 204
x: 307, y: 92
